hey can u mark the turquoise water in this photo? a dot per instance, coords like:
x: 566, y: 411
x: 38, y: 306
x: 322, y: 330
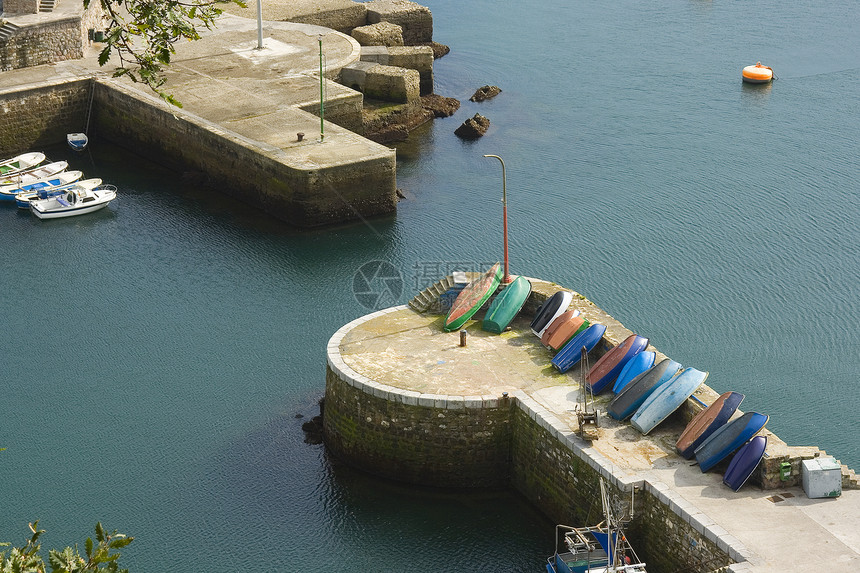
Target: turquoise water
x: 159, y: 352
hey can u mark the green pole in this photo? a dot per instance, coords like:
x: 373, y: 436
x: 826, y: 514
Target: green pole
x: 322, y: 99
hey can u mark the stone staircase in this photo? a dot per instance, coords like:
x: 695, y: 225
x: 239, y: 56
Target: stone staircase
x: 849, y: 478
x: 429, y: 298
x: 46, y: 5
x: 7, y: 30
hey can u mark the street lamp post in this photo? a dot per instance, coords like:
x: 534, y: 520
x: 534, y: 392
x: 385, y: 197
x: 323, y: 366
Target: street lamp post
x: 507, y: 277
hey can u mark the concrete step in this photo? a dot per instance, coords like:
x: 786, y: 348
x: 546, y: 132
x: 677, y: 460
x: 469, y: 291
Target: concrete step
x: 429, y: 297
x: 7, y: 30
x: 46, y: 5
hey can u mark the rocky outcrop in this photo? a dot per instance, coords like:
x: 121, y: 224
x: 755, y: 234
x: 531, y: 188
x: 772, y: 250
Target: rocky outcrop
x: 485, y: 93
x: 473, y: 128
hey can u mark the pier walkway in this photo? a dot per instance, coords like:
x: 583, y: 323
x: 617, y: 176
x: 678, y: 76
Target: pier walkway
x: 765, y: 531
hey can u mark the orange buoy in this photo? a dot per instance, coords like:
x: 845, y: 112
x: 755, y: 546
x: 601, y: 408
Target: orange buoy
x: 757, y: 74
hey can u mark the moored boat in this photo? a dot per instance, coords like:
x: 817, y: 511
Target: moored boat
x: 634, y: 367
x: 78, y: 201
x: 567, y: 325
x: 601, y: 548
x: 626, y: 402
x: 665, y: 400
x: 506, y: 305
x: 729, y: 438
x: 8, y: 192
x: 472, y: 298
x: 33, y: 174
x: 571, y: 354
x: 22, y: 200
x: 606, y: 370
x: 9, y: 167
x: 744, y: 462
x: 77, y: 141
x: 707, y: 422
x: 551, y: 309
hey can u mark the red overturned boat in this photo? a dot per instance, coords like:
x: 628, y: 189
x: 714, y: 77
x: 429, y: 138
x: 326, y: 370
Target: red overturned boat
x: 472, y: 298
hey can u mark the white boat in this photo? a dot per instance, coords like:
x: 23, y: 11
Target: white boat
x: 8, y: 192
x: 78, y: 201
x: 20, y: 163
x: 33, y: 174
x: 22, y: 199
x: 77, y: 141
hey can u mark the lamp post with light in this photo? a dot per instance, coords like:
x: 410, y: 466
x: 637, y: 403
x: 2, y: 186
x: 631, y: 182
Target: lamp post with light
x: 507, y: 277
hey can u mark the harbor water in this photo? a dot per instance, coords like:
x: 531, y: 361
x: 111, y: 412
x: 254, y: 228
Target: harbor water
x: 162, y: 354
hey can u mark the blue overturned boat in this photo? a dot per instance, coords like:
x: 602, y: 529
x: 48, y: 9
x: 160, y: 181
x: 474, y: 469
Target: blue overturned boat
x: 707, y: 422
x: 745, y: 462
x: 728, y: 439
x: 571, y: 354
x: 606, y: 370
x: 626, y: 402
x: 666, y: 399
x: 634, y: 367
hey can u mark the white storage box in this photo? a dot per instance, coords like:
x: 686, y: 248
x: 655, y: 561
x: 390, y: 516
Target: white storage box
x: 822, y: 477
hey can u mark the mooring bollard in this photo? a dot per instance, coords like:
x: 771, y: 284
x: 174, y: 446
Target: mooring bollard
x: 299, y: 136
x: 462, y: 338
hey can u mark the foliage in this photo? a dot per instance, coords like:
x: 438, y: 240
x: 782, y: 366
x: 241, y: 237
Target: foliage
x: 142, y: 34
x: 101, y: 555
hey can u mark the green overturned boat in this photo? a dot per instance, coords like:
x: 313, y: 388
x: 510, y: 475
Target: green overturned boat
x: 472, y: 298
x: 507, y: 305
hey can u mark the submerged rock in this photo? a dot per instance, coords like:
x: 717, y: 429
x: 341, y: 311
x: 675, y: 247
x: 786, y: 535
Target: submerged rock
x: 440, y: 106
x: 485, y: 93
x: 473, y: 128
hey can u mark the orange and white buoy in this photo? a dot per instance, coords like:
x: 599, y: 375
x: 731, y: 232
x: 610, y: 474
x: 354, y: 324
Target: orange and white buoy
x: 757, y: 74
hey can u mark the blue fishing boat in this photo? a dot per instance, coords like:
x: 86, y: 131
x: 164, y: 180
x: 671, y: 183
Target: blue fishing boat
x: 745, y: 462
x: 601, y: 548
x: 634, y: 367
x: 626, y: 402
x: 571, y: 354
x: 707, y: 422
x: 666, y: 399
x: 728, y: 439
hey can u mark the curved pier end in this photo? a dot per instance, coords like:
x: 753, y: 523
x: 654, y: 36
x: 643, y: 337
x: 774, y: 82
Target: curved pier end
x: 405, y: 401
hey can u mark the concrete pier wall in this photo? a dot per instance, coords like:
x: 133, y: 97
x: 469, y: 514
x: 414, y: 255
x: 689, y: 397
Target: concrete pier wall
x: 502, y: 441
x: 40, y: 115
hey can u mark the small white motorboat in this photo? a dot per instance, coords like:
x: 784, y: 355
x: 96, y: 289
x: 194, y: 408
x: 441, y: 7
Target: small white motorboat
x: 8, y: 192
x: 33, y: 174
x: 22, y: 199
x: 78, y: 201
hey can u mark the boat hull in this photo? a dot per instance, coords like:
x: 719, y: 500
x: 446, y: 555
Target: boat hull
x: 707, y: 422
x: 551, y: 309
x: 610, y: 365
x: 507, y: 305
x: 571, y: 354
x: 668, y: 398
x: 745, y: 462
x: 634, y: 367
x: 626, y: 402
x: 729, y: 438
x: 86, y: 202
x: 562, y: 329
x: 472, y: 298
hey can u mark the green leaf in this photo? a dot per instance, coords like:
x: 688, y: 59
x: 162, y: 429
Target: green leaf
x: 100, y: 532
x: 89, y: 547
